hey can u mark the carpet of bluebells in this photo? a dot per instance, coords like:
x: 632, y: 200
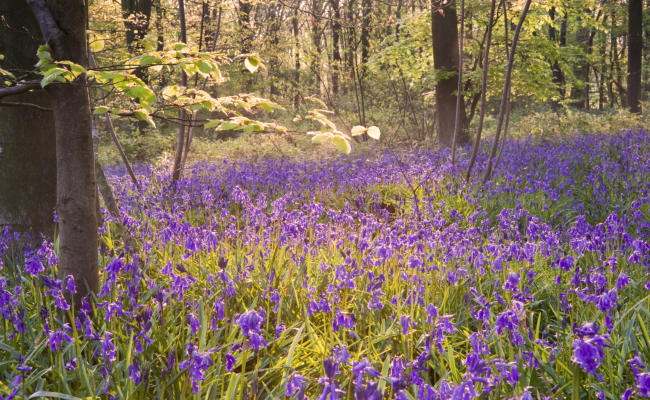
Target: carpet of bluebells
x: 382, y: 276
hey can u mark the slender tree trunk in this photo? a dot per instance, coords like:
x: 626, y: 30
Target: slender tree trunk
x: 180, y: 142
x: 580, y: 91
x: 506, y: 92
x: 63, y: 24
x: 317, y: 10
x: 351, y: 42
x: 274, y: 40
x: 193, y: 122
x: 137, y: 15
x: 635, y: 54
x: 160, y: 31
x: 296, y: 49
x: 486, y: 65
x: 444, y: 32
x: 336, y: 53
x: 558, y: 75
x: 459, y: 90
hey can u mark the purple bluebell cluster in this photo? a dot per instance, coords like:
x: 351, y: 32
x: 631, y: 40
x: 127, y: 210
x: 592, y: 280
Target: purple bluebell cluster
x: 379, y: 276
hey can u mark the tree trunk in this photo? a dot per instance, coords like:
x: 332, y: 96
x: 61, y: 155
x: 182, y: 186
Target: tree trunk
x: 444, y: 32
x: 296, y: 49
x: 27, y: 137
x: 160, y: 31
x: 558, y: 75
x: 486, y: 64
x: 366, y: 20
x: 635, y: 51
x: 336, y: 53
x: 180, y: 142
x: 459, y: 88
x: 274, y: 40
x: 580, y: 90
x: 63, y: 24
x: 136, y: 14
x: 505, y: 97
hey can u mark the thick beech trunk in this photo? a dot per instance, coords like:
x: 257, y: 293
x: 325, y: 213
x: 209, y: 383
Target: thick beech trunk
x: 63, y: 23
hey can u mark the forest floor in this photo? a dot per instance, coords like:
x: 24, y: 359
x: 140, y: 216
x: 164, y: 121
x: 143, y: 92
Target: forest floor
x: 381, y: 275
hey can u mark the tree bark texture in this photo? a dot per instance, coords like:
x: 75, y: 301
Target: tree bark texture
x: 63, y: 24
x: 444, y: 31
x: 635, y: 54
x: 27, y: 144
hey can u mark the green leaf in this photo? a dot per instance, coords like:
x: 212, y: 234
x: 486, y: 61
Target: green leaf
x: 212, y: 123
x: 55, y: 395
x: 252, y: 63
x: 97, y: 45
x: 227, y: 125
x: 342, y: 144
x: 7, y: 73
x: 142, y: 93
x: 148, y: 59
x: 143, y: 115
x: 100, y: 110
x: 205, y: 67
x: 321, y: 137
x: 51, y: 75
x: 44, y: 52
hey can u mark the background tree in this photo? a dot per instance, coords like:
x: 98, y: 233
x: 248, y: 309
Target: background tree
x: 444, y: 31
x: 635, y: 54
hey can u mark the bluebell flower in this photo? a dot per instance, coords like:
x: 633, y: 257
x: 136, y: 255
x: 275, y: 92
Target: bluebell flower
x: 34, y: 266
x: 296, y: 386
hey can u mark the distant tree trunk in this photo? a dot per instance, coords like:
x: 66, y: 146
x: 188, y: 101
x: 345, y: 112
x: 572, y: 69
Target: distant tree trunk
x: 612, y: 60
x: 136, y: 14
x: 635, y: 52
x: 506, y: 93
x: 459, y: 89
x: 27, y: 134
x: 63, y: 24
x: 580, y: 91
x: 246, y: 40
x: 296, y: 49
x: 336, y: 53
x: 180, y: 141
x: 351, y: 42
x: 160, y: 31
x: 366, y: 20
x: 646, y: 57
x: 316, y: 39
x: 444, y: 32
x: 486, y: 64
x: 558, y: 75
x: 274, y: 40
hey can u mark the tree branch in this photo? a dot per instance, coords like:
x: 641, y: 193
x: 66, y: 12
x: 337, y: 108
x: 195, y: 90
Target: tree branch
x: 50, y: 29
x: 18, y: 89
x: 19, y: 104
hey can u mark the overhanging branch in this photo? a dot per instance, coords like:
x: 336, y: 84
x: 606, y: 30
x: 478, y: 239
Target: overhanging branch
x: 21, y: 104
x: 18, y: 89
